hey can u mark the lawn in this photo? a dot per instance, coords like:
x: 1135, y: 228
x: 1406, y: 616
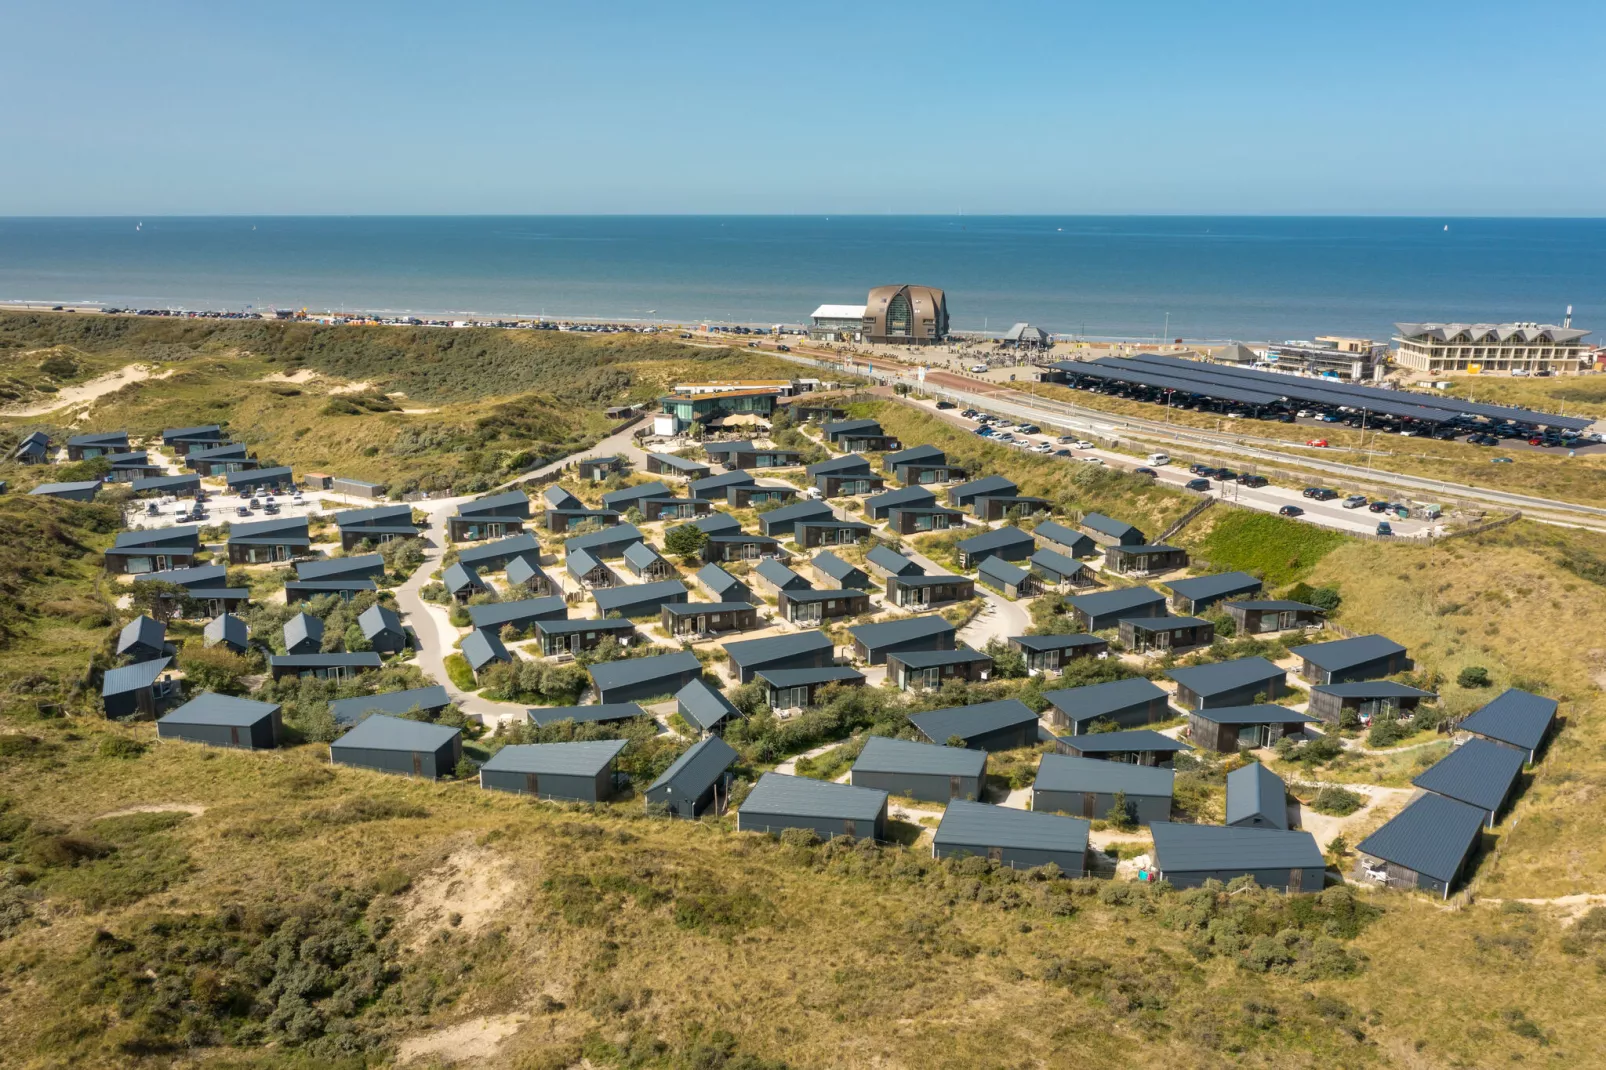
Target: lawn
x: 1279, y: 550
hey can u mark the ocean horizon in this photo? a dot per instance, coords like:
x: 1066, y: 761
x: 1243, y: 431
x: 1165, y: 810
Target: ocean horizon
x: 1249, y: 278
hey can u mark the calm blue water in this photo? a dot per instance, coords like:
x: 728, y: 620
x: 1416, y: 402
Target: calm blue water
x: 1241, y: 278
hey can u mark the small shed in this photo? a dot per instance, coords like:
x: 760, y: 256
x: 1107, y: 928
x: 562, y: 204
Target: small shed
x: 357, y: 488
x: 803, y: 650
x: 227, y: 631
x: 1426, y: 846
x: 223, y: 721
x: 1165, y: 634
x: 1049, y: 653
x: 1256, y: 798
x: 779, y: 802
x: 1008, y: 543
x: 462, y: 582
x: 1011, y: 581
x: 1365, y: 657
x: 143, y: 639
x: 839, y: 573
x: 569, y: 772
x: 1019, y: 839
x: 1005, y: 724
x: 395, y: 745
x: 1229, y: 729
x: 481, y: 648
x: 1106, y: 609
x: 886, y: 562
x: 1240, y: 682
x: 1123, y: 703
x: 303, y: 634
x: 1053, y: 535
x: 776, y: 577
x: 138, y: 690
x: 873, y: 642
x: 429, y: 701
x: 646, y: 563
x: 1107, y: 531
x: 383, y: 629
x: 1367, y: 699
x: 1199, y: 593
x: 722, y: 585
x: 1056, y: 570
x: 1137, y: 746
x: 640, y: 599
x: 639, y: 678
x: 704, y: 707
x: 1516, y: 719
x: 1086, y: 788
x: 914, y: 669
x: 1189, y: 855
x: 696, y: 780
x: 1479, y: 772
x: 792, y: 690
x: 920, y: 770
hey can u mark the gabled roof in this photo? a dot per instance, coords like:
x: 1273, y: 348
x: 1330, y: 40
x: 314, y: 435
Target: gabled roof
x: 850, y: 464
x: 1182, y: 848
x: 976, y: 824
x: 1057, y: 563
x: 1220, y: 585
x: 985, y: 485
x: 619, y: 535
x: 350, y: 710
x: 717, y: 579
x: 915, y: 455
x: 1054, y: 531
x: 1222, y: 676
x: 724, y: 479
x: 133, y: 677
x: 1062, y: 772
x: 1253, y: 789
x: 1347, y: 653
x: 996, y: 539
x: 969, y: 722
x: 1120, y: 600
x: 778, y: 574
x: 824, y: 674
x: 599, y: 713
x: 908, y: 497
x: 697, y: 768
x: 642, y: 556
x: 137, y: 540
x: 715, y: 523
x: 227, y: 628
x: 1092, y: 701
x: 558, y: 498
x: 629, y: 671
x: 1260, y: 713
x: 1129, y: 742
x: 1364, y: 689
x: 460, y: 577
x: 302, y: 628
x: 510, y: 500
x: 381, y: 732
x: 609, y: 599
x: 1056, y: 642
x: 377, y: 619
x: 496, y: 614
x: 623, y: 499
x: 142, y: 630
x: 1479, y: 772
x: 789, y: 514
x: 1432, y: 836
x: 279, y: 530
x: 884, y: 755
x: 1004, y: 572
x: 703, y: 707
x: 753, y: 653
x: 797, y: 796
x: 337, y: 567
x: 886, y: 632
x: 1515, y: 717
x: 580, y: 563
x: 521, y: 570
x: 883, y: 556
x: 586, y: 758
x: 211, y: 708
x: 1106, y: 525
x: 481, y: 647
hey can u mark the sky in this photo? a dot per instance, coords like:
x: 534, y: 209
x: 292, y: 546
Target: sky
x: 1361, y: 108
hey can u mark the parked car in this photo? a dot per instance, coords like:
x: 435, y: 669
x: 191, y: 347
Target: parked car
x: 1322, y: 494
x: 1377, y: 507
x: 1290, y: 510
x: 1144, y: 472
x: 270, y: 508
x: 1355, y: 501
x: 1043, y: 447
x: 1226, y: 475
x: 1315, y: 442
x: 1091, y: 460
x: 242, y: 511
x: 940, y: 404
x: 1030, y: 429
x: 1253, y: 481
x: 1383, y: 528
x: 788, y: 349
x: 1066, y: 439
x: 1064, y: 453
x: 1083, y: 444
x: 969, y: 414
x: 1197, y: 484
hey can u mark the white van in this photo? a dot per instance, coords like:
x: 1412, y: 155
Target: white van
x: 1159, y: 458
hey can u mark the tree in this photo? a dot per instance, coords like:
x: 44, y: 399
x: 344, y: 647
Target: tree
x: 955, y: 741
x: 685, y: 541
x: 1121, y: 815
x: 163, y: 601
x: 1008, y: 663
x: 213, y: 669
x: 1338, y: 847
x: 1473, y: 676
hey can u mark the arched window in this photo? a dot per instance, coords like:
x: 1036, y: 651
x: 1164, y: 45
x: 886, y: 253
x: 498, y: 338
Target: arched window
x: 899, y: 316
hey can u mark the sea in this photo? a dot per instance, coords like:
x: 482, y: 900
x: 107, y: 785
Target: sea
x: 1094, y: 277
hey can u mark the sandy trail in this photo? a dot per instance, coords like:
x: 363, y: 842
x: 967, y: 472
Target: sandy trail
x: 77, y: 395
x: 193, y: 809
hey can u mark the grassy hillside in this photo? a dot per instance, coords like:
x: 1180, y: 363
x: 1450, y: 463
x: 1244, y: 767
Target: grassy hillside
x: 1279, y: 550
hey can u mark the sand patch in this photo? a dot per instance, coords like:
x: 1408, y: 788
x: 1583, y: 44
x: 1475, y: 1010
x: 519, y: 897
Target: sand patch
x: 97, y: 387
x: 471, y: 1041
x: 193, y: 809
x: 473, y: 886
x: 304, y: 375
x: 360, y: 387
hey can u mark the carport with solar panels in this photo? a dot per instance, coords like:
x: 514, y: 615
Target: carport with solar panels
x: 1264, y: 389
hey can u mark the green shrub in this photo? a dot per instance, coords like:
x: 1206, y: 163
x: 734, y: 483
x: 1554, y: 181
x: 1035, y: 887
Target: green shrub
x: 1473, y: 676
x: 459, y: 672
x: 121, y: 747
x: 1337, y: 802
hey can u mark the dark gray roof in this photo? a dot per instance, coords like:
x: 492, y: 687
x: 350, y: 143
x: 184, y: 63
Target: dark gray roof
x: 522, y: 543
x: 1479, y: 772
x: 1219, y: 585
x: 339, y: 566
x: 142, y: 629
x: 302, y: 628
x: 838, y: 427
x: 48, y: 489
x: 825, y: 674
x: 1262, y: 713
x: 166, y: 483
x: 629, y: 596
x: 1103, y: 603
x: 491, y: 503
x: 716, y: 579
x: 885, y: 557
x: 281, y: 529
x: 1164, y: 624
x: 583, y: 759
x: 280, y: 474
x: 223, y: 450
x: 788, y: 514
x: 381, y: 732
x: 227, y: 628
x: 914, y: 455
x: 642, y: 556
x: 1271, y: 605
x: 459, y: 577
x: 884, y: 633
x: 1057, y: 563
x: 1515, y: 717
x: 753, y: 653
x: 172, y: 434
x: 1222, y: 676
x: 359, y: 660
x: 386, y: 515
x: 497, y: 614
x: 1347, y: 653
x: 1182, y: 848
x: 996, y: 568
x: 702, y: 706
x: 1146, y: 549
x: 1108, y: 525
x: 1373, y: 689
x: 714, y: 449
x: 623, y: 499
x: 833, y: 522
x: 904, y: 496
x: 975, y: 824
x: 715, y: 523
x: 629, y: 671
x: 778, y: 574
x: 810, y: 594
x: 996, y: 539
x: 1054, y: 531
x: 133, y: 677
x: 322, y: 586
x: 557, y: 497
x: 1092, y: 701
x: 1432, y: 836
x: 1132, y: 741
x: 377, y: 618
x: 984, y: 485
x: 557, y: 626
x: 521, y: 570
x: 719, y: 482
x: 698, y: 767
x: 928, y: 659
x: 580, y: 563
x: 884, y: 755
x: 481, y: 647
x: 195, y: 577
x: 968, y: 722
x: 617, y: 535
x: 350, y: 710
x: 599, y: 713
x: 679, y: 464
x: 845, y: 465
x: 211, y: 708
x: 1062, y: 772
x: 796, y: 796
x: 99, y: 438
x: 1254, y: 789
x: 1056, y: 642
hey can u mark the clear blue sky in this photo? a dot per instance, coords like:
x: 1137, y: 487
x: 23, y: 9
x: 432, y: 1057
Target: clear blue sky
x: 1434, y: 108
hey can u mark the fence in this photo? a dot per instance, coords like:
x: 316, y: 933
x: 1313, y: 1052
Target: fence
x: 1187, y: 518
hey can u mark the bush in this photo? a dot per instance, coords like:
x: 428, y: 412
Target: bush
x: 1387, y: 732
x: 1473, y: 676
x: 1337, y: 802
x: 458, y: 671
x: 121, y: 747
